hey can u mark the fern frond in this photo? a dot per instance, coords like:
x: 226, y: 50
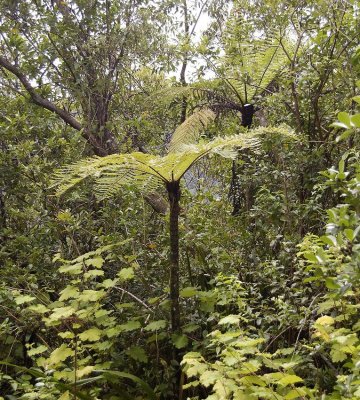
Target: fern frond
x: 189, y: 131
x: 112, y: 172
x: 177, y: 93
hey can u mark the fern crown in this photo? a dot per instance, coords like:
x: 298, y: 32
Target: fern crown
x: 147, y: 171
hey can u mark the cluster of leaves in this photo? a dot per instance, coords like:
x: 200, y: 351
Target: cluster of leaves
x: 238, y: 363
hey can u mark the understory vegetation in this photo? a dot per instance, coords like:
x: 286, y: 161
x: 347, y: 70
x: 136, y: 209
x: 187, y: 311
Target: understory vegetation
x: 179, y: 199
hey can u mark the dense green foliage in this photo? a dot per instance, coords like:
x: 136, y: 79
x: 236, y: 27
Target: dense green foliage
x: 134, y: 267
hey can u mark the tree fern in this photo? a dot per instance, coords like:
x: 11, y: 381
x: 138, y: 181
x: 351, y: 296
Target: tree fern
x: 145, y: 170
x: 112, y: 172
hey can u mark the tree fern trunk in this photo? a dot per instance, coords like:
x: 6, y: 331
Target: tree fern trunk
x: 235, y: 194
x: 173, y: 189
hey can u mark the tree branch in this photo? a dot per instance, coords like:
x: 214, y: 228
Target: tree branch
x: 37, y: 99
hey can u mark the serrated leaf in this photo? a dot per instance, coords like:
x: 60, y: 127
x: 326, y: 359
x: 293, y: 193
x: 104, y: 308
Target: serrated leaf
x: 253, y: 380
x: 66, y: 335
x: 156, y: 325
x: 126, y: 274
x: 60, y: 354
x: 96, y: 262
x: 91, y: 295
x: 209, y: 378
x: 108, y: 283
x: 90, y: 335
x: 84, y: 371
x: 137, y: 353
x: 337, y: 355
x: 93, y: 273
x: 37, y: 350
x: 38, y: 308
x: 71, y: 269
x: 22, y: 299
x: 129, y: 326
x: 60, y: 313
x: 70, y: 292
x: 289, y: 380
x: 179, y: 341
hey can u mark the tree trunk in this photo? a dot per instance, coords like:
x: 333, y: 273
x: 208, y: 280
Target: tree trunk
x: 173, y: 189
x: 247, y: 115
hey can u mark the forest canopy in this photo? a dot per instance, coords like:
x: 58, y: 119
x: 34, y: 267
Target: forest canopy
x: 179, y: 199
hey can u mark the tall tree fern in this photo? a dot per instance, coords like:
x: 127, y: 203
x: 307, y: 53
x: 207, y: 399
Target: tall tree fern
x: 146, y: 171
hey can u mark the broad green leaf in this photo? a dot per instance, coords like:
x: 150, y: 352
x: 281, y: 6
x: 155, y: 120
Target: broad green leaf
x: 350, y: 234
x: 70, y: 292
x: 188, y: 292
x: 108, y: 283
x: 355, y: 120
x: 195, y: 368
x: 310, y: 256
x: 209, y: 378
x: 137, y: 353
x: 38, y: 308
x: 61, y: 313
x: 129, y: 326
x: 325, y: 320
x: 91, y: 295
x: 66, y: 335
x: 190, y: 328
x: 22, y: 299
x: 156, y: 325
x: 71, y: 269
x: 345, y: 119
x: 96, y: 262
x: 91, y: 335
x: 60, y: 354
x: 289, y: 380
x: 126, y: 274
x: 92, y: 273
x: 337, y: 355
x: 37, y: 350
x: 344, y: 135
x: 179, y: 341
x: 331, y: 284
x: 252, y: 380
x: 346, y: 340
x: 84, y: 371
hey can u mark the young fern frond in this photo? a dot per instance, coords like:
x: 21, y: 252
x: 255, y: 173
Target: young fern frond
x: 146, y: 171
x: 189, y: 131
